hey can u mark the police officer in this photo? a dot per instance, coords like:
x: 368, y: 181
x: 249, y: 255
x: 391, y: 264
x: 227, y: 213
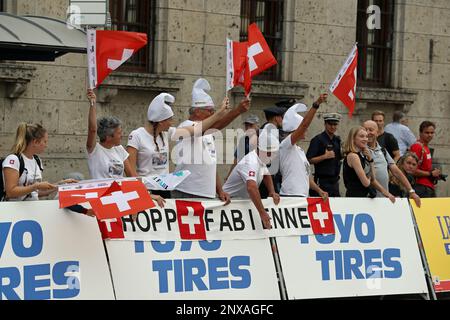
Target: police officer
x: 274, y: 117
x: 324, y: 153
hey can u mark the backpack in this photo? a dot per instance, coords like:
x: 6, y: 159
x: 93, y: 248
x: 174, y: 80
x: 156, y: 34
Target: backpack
x: 21, y: 170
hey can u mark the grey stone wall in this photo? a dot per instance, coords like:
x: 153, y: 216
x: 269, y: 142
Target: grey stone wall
x: 190, y: 43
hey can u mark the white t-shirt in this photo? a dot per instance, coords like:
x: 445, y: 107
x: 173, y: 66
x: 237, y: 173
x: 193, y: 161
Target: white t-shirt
x: 294, y: 168
x: 249, y: 168
x: 198, y: 155
x: 107, y: 163
x: 150, y: 162
x: 31, y: 174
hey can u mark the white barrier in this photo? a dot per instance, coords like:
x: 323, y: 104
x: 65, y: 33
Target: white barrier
x: 47, y: 253
x: 374, y: 252
x: 224, y: 270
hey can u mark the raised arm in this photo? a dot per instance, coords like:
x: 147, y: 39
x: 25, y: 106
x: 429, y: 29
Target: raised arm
x: 301, y: 130
x: 92, y: 122
x: 225, y: 120
x: 204, y: 125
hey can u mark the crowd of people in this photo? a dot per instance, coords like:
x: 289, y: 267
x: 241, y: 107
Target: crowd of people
x: 376, y: 160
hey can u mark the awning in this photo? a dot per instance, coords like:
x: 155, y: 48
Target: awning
x: 33, y: 38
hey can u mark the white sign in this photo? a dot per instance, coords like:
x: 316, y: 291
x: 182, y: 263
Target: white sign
x: 185, y: 219
x: 50, y: 253
x: 220, y: 270
x: 374, y: 252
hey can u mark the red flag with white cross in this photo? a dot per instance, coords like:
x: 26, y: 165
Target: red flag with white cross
x: 191, y: 222
x: 238, y: 71
x: 320, y: 216
x: 128, y: 198
x: 107, y: 50
x: 260, y: 57
x: 344, y: 86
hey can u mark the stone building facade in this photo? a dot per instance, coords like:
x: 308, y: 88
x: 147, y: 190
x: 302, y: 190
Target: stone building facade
x: 187, y: 41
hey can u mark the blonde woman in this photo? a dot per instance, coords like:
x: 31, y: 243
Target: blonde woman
x: 22, y: 169
x: 358, y: 168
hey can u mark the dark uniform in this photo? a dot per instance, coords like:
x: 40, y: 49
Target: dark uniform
x: 276, y: 178
x: 326, y: 173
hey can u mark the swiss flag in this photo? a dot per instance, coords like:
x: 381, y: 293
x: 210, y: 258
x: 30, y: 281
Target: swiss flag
x: 238, y: 71
x: 320, y: 216
x: 107, y: 50
x: 344, y: 86
x: 260, y: 57
x: 111, y: 228
x: 190, y: 216
x: 129, y: 198
x: 70, y: 195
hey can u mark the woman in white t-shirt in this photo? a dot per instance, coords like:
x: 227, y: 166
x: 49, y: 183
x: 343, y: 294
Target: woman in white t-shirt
x: 107, y: 158
x: 22, y: 170
x: 294, y: 166
x: 148, y: 146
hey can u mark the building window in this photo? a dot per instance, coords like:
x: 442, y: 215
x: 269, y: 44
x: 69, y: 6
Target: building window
x: 268, y: 15
x: 135, y: 16
x: 375, y: 46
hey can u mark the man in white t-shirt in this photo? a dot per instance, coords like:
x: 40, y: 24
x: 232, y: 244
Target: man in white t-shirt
x: 198, y: 154
x: 294, y: 166
x: 248, y: 174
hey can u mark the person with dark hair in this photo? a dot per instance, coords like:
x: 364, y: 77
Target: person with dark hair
x: 22, y: 169
x: 325, y: 154
x: 107, y: 158
x: 402, y: 133
x: 148, y: 147
x: 425, y: 175
x: 385, y: 139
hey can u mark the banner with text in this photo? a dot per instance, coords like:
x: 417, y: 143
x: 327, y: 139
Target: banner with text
x: 374, y: 252
x: 197, y: 270
x: 433, y: 221
x: 211, y: 220
x: 50, y: 253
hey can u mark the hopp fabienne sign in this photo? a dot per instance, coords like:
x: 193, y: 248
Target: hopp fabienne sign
x: 210, y: 220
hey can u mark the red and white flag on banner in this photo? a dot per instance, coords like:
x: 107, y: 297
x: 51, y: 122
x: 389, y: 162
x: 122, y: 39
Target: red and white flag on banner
x: 238, y: 72
x: 107, y: 50
x: 344, y: 86
x: 260, y: 57
x: 69, y: 195
x: 129, y: 198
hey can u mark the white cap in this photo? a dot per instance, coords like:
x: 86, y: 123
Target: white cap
x: 267, y: 141
x: 292, y: 119
x: 200, y: 99
x: 158, y: 110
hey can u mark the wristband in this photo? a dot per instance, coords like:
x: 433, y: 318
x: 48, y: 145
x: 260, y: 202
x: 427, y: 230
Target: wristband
x: 412, y: 191
x: 316, y: 105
